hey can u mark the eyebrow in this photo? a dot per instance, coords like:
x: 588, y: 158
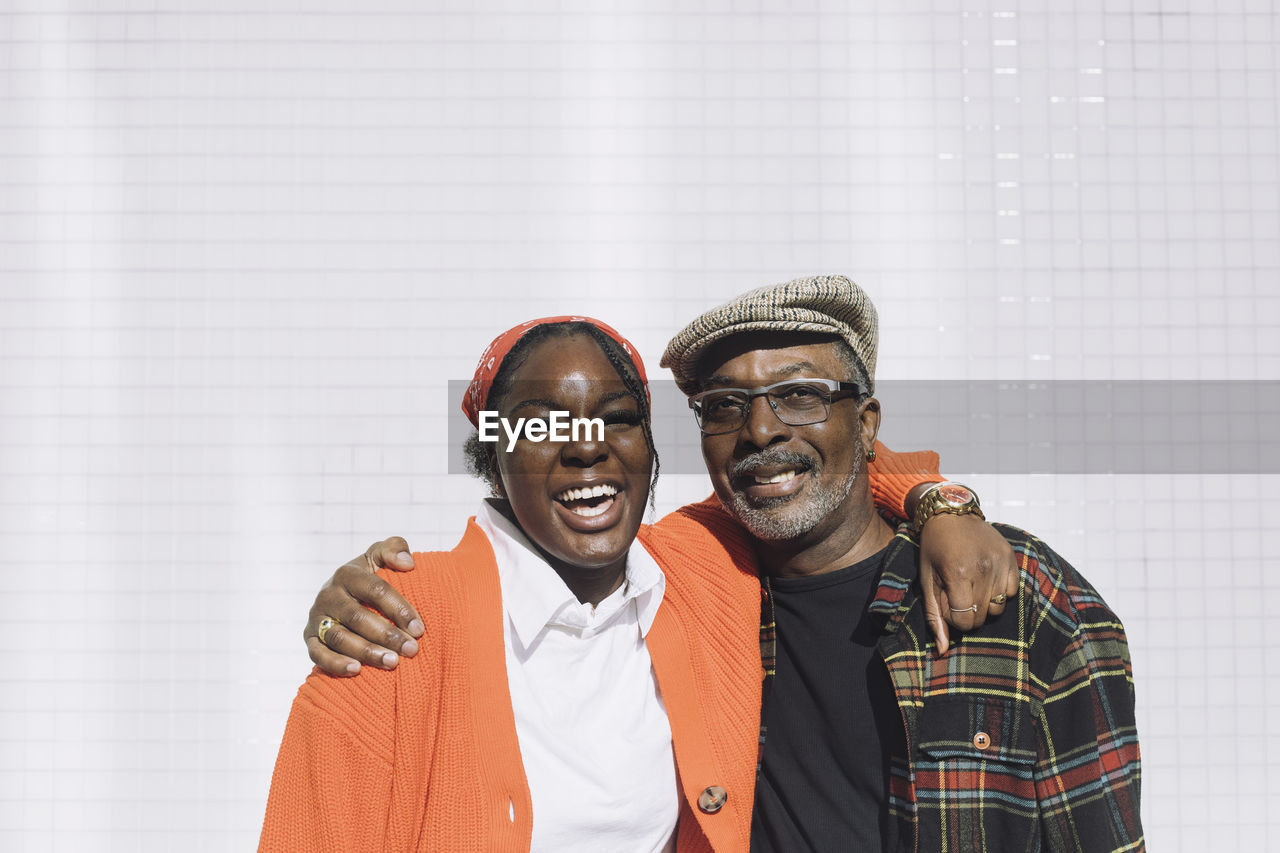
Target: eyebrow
x: 616, y: 395
x: 540, y: 402
x: 784, y: 371
x: 544, y: 403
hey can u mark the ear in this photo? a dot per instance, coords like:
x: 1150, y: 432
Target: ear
x: 499, y: 490
x: 869, y: 424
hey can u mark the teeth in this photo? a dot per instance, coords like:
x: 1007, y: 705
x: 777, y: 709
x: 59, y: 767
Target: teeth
x: 776, y: 478
x: 591, y: 511
x: 600, y: 491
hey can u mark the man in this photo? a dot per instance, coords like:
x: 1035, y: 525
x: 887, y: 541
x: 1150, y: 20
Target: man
x: 870, y: 738
x: 1021, y: 738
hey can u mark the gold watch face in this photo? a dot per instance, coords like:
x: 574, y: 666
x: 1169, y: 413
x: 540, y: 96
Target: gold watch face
x: 955, y: 494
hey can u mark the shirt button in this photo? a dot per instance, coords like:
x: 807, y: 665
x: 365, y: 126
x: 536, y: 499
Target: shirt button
x: 982, y: 740
x: 712, y: 799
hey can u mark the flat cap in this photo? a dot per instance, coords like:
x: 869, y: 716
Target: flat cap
x: 825, y: 304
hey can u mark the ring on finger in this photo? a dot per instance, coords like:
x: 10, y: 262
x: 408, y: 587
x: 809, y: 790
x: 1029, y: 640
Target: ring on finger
x: 325, y: 624
x: 999, y: 598
x: 972, y: 607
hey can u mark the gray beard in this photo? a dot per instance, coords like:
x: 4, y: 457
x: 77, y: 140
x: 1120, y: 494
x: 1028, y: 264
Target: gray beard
x: 791, y: 516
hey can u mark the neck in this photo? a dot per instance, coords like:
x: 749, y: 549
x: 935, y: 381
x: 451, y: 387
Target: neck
x: 590, y: 585
x: 855, y: 536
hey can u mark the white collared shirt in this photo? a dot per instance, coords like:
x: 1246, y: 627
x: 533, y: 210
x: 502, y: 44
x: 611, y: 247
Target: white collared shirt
x: 593, y: 730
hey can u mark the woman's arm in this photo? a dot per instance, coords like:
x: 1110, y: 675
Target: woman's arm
x: 965, y: 564
x: 331, y: 789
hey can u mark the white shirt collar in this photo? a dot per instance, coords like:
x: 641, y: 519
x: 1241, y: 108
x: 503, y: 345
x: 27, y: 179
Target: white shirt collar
x: 534, y: 596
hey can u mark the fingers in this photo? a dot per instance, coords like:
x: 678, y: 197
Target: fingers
x: 1012, y: 575
x: 348, y: 598
x: 935, y: 601
x: 975, y: 566
x: 329, y: 660
x: 361, y: 635
x: 390, y: 553
x: 370, y: 590
x: 962, y: 611
x: 346, y: 644
x: 1005, y: 581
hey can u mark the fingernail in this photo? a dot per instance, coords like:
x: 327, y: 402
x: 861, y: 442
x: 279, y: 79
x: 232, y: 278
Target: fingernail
x: 409, y: 648
x: 404, y: 558
x: 390, y: 659
x: 416, y: 628
x: 353, y: 667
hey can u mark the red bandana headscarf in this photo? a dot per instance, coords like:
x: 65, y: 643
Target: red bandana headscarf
x: 478, y: 392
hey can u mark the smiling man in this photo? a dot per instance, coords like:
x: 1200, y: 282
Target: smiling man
x: 1021, y: 738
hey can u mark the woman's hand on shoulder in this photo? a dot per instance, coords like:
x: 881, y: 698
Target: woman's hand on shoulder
x: 354, y: 634
x: 967, y: 571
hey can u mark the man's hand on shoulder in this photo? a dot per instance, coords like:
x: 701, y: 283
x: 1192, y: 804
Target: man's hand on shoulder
x: 347, y: 610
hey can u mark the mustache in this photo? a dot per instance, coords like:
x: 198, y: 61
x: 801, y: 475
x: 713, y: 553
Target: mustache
x: 764, y: 458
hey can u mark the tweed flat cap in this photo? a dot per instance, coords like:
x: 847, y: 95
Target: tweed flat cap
x: 826, y: 304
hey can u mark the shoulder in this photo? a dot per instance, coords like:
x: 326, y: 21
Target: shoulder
x: 1054, y: 583
x: 704, y: 553
x: 701, y: 531
x: 1061, y: 616
x: 441, y: 581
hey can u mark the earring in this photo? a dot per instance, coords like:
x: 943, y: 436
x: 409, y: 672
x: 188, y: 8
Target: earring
x: 871, y: 455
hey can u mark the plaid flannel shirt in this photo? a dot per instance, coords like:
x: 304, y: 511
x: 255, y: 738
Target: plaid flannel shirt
x: 1023, y: 736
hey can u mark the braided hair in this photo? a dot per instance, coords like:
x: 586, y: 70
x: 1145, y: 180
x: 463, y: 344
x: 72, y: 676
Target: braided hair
x: 479, y: 459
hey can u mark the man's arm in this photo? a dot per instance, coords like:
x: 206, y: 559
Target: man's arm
x: 1089, y: 773
x: 357, y: 599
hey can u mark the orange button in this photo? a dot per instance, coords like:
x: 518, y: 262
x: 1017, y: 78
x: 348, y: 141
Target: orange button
x: 982, y: 740
x: 712, y: 799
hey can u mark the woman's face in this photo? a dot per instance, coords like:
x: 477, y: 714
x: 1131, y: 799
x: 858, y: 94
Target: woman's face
x: 581, y: 501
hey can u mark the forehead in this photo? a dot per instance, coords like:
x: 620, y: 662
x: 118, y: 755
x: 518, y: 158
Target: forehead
x: 762, y: 357
x: 572, y: 357
x: 563, y: 372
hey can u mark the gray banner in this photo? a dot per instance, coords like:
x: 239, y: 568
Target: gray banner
x: 1044, y: 427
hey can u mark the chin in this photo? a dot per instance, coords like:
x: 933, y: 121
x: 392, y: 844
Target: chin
x: 774, y: 525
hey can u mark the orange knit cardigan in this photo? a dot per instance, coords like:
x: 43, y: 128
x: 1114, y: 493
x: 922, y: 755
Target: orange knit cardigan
x: 425, y: 757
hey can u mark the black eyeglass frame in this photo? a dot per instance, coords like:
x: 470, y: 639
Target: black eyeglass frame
x: 836, y: 390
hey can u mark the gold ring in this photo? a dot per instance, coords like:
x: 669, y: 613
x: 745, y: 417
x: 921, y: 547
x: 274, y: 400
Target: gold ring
x: 325, y: 624
x: 999, y: 598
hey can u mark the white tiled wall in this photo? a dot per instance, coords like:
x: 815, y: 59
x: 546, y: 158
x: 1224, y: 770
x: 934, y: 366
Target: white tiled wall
x: 243, y: 247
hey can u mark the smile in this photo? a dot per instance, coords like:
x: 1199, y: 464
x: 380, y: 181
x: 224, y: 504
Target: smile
x: 776, y: 478
x: 773, y: 475
x: 588, y: 501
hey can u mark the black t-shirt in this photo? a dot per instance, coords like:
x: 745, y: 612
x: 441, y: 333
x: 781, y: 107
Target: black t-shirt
x: 832, y: 719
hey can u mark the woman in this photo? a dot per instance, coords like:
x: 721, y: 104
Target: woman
x: 553, y: 697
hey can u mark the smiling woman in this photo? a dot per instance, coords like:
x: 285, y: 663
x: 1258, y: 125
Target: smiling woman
x: 539, y: 618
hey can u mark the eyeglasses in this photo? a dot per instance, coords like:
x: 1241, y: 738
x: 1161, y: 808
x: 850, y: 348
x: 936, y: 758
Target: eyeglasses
x: 796, y: 402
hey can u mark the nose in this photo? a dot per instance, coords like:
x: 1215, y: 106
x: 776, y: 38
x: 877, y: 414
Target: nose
x: 762, y: 426
x: 585, y: 452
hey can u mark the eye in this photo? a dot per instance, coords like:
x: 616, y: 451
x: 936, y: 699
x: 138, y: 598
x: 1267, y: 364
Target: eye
x: 723, y: 403
x: 621, y: 417
x: 799, y: 392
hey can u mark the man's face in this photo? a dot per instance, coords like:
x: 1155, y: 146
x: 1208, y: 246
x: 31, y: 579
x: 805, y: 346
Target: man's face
x: 787, y: 482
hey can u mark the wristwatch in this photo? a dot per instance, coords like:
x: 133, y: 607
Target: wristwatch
x: 946, y: 497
